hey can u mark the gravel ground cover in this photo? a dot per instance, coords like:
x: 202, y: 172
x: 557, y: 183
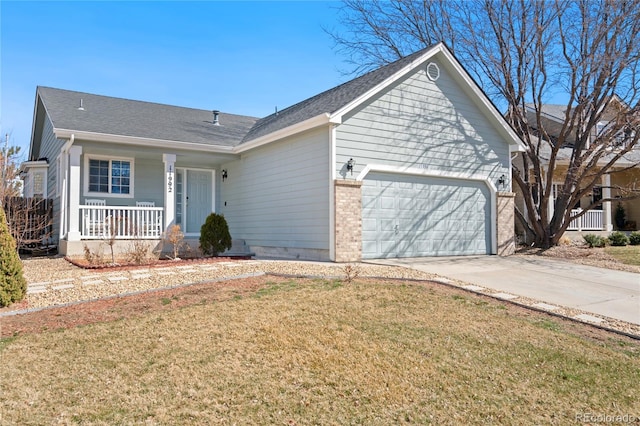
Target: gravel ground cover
x: 56, y: 282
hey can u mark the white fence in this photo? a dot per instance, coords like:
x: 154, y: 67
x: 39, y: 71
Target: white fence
x: 590, y: 221
x: 103, y: 222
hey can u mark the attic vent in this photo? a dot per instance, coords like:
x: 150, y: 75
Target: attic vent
x: 216, y: 114
x: 433, y: 72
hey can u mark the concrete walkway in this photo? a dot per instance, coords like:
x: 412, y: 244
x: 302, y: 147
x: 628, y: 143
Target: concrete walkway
x: 613, y: 294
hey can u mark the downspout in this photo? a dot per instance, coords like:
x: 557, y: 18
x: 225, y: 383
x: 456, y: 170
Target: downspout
x: 65, y: 189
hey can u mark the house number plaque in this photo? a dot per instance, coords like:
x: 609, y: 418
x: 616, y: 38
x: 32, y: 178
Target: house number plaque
x: 170, y: 180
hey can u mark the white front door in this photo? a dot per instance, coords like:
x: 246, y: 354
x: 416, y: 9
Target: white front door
x: 194, y: 199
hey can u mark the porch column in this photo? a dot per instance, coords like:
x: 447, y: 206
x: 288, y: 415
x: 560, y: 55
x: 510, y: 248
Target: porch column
x: 74, y: 193
x: 607, y: 224
x: 169, y: 189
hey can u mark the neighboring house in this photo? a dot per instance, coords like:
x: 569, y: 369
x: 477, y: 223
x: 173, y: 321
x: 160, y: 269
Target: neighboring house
x: 411, y: 159
x: 625, y: 173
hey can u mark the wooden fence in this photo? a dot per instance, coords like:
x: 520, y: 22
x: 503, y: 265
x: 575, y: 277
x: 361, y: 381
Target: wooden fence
x: 30, y: 221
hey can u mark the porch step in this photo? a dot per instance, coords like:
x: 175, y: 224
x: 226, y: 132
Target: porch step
x: 238, y: 248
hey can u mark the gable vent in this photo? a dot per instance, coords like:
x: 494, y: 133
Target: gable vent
x: 433, y: 72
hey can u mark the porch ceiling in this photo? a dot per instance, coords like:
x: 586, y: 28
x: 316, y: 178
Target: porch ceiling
x: 183, y: 157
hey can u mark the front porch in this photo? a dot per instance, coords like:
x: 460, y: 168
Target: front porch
x: 120, y: 222
x: 592, y: 220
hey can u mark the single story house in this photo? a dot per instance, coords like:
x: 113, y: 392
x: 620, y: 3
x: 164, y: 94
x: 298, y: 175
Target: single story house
x: 411, y: 159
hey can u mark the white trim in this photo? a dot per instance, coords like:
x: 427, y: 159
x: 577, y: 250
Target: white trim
x: 442, y: 174
x: 332, y: 193
x: 85, y: 189
x: 294, y: 129
x: 139, y: 141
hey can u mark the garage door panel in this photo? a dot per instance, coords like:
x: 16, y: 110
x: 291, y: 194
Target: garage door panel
x: 424, y: 216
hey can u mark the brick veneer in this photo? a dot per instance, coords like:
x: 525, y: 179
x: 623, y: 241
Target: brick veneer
x: 348, y: 220
x: 506, y: 223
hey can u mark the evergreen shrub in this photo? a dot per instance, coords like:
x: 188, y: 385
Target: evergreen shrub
x: 618, y: 239
x: 595, y: 240
x: 13, y: 286
x: 214, y: 235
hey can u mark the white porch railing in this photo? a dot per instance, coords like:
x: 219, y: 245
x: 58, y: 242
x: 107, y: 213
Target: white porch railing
x: 101, y: 222
x: 590, y: 221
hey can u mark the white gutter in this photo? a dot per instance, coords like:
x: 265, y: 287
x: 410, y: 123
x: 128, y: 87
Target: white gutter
x: 134, y: 140
x: 308, y: 124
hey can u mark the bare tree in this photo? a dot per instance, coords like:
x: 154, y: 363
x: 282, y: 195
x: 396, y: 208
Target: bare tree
x: 523, y: 53
x: 29, y: 220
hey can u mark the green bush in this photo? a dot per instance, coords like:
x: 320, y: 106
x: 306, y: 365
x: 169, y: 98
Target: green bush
x: 634, y: 238
x: 214, y: 235
x: 595, y: 240
x: 13, y: 286
x: 618, y: 239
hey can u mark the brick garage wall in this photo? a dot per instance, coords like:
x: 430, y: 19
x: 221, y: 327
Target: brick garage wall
x: 348, y: 220
x: 506, y: 223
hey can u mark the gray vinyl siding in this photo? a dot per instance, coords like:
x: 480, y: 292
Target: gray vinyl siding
x: 425, y: 124
x: 50, y: 149
x: 278, y: 195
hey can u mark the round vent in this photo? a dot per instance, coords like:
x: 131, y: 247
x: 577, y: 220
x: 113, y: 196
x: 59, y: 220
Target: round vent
x: 433, y: 72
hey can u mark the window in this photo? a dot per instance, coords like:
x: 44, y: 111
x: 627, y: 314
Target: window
x: 109, y: 176
x: 38, y: 184
x: 596, y: 196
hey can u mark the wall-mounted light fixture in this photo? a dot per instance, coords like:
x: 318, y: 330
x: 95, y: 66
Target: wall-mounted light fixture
x: 502, y: 180
x: 350, y: 165
x: 224, y: 175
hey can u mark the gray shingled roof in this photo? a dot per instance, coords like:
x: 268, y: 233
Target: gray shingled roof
x: 116, y: 116
x: 329, y: 101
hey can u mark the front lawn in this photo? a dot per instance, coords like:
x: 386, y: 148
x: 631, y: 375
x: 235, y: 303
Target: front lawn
x: 629, y: 255
x: 303, y: 352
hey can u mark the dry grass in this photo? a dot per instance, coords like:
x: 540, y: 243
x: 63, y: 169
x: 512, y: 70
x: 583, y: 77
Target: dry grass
x: 629, y: 255
x: 321, y: 352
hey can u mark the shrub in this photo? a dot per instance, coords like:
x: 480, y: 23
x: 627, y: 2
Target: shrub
x: 595, y: 240
x: 564, y: 241
x: 93, y: 257
x: 175, y: 237
x: 13, y: 286
x: 618, y: 239
x: 620, y: 216
x: 214, y: 235
x: 634, y: 238
x: 138, y: 252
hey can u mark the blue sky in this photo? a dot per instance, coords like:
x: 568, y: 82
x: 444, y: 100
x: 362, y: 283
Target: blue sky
x: 237, y: 57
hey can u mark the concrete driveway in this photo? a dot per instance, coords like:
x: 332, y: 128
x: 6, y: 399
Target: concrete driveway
x: 614, y: 294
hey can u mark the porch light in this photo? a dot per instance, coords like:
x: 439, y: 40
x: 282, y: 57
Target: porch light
x: 502, y: 181
x: 224, y: 174
x: 350, y: 165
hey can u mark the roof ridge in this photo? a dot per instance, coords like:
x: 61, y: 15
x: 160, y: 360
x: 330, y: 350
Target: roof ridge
x: 269, y: 119
x: 138, y: 101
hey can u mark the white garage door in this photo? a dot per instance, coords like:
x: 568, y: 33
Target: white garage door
x: 413, y: 216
